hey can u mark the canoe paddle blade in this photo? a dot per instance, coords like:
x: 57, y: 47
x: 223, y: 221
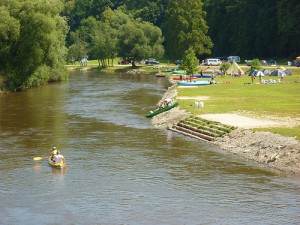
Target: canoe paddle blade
x: 37, y: 158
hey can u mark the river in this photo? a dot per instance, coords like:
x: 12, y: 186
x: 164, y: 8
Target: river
x: 120, y: 170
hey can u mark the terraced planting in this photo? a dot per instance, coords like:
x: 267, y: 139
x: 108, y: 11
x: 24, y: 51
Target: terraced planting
x: 201, y: 128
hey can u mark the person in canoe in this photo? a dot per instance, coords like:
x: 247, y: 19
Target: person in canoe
x: 53, y: 153
x: 59, y: 158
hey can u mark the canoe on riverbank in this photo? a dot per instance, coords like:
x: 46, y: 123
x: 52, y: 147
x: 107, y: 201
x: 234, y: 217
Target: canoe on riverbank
x: 193, y: 83
x: 158, y: 111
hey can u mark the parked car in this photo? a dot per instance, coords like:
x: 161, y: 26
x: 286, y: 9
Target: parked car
x: 123, y: 62
x: 151, y: 61
x: 177, y: 62
x: 248, y: 62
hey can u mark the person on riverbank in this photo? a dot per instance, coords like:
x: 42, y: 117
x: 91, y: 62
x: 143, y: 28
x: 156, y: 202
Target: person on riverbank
x: 201, y: 74
x: 166, y: 102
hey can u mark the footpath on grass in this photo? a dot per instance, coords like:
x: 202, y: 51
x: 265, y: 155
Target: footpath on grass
x: 278, y: 152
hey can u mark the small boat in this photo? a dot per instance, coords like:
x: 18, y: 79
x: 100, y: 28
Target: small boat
x: 188, y: 78
x: 203, y: 76
x: 158, y: 111
x: 178, y: 72
x: 194, y: 83
x: 56, y: 165
x: 160, y: 74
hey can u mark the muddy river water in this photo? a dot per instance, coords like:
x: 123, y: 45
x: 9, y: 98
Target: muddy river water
x: 120, y: 169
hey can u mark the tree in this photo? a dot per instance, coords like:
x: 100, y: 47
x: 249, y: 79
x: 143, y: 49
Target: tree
x: 36, y: 44
x: 224, y: 66
x: 9, y: 33
x: 81, y: 38
x: 190, y: 62
x: 256, y: 65
x: 104, y: 44
x: 139, y: 40
x: 185, y: 27
x: 288, y: 33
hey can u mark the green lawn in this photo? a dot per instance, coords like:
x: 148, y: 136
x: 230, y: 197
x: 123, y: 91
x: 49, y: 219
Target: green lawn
x: 261, y: 100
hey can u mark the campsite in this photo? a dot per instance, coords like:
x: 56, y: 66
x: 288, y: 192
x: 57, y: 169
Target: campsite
x: 234, y: 94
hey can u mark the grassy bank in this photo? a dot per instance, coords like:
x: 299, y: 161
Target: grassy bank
x: 280, y: 100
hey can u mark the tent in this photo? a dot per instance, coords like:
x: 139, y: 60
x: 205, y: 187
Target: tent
x: 235, y: 69
x: 257, y: 73
x: 278, y: 73
x: 267, y: 72
x: 288, y: 72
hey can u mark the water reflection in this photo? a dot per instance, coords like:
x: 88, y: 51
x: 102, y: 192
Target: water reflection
x: 59, y: 172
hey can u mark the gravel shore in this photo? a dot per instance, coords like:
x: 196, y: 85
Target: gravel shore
x: 272, y: 150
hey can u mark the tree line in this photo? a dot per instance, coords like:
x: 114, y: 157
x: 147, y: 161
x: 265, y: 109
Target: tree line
x: 254, y: 28
x: 36, y: 36
x: 139, y: 33
x: 248, y: 28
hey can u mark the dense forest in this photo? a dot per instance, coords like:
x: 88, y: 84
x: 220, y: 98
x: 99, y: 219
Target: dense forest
x: 36, y: 36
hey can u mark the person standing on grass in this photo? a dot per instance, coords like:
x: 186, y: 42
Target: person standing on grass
x: 252, y: 77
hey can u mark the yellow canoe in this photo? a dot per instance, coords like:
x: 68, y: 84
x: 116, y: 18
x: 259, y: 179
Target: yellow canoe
x: 56, y: 165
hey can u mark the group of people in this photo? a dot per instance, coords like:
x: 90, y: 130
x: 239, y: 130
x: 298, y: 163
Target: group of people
x: 56, y: 157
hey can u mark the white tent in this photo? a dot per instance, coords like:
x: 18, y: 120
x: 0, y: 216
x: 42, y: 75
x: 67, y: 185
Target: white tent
x: 257, y: 73
x: 260, y: 73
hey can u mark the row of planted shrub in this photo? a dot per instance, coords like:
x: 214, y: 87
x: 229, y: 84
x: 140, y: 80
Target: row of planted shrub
x: 211, y: 128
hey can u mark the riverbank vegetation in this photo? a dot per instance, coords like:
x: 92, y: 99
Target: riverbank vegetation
x: 32, y: 43
x: 37, y: 36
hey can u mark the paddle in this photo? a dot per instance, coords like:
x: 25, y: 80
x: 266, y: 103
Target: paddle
x: 37, y: 158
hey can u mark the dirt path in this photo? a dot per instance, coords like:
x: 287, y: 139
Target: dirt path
x: 242, y: 121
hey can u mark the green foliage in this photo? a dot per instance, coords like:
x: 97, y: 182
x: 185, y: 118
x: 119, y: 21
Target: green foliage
x: 225, y: 66
x: 35, y: 40
x: 139, y: 40
x: 254, y: 28
x: 185, y: 27
x: 190, y: 62
x: 104, y: 43
x: 256, y: 65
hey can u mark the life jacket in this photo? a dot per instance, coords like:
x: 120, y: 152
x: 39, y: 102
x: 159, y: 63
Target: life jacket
x: 53, y: 154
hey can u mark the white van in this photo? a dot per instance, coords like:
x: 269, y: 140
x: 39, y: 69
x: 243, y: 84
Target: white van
x: 212, y: 62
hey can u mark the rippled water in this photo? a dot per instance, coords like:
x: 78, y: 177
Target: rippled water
x: 120, y: 169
